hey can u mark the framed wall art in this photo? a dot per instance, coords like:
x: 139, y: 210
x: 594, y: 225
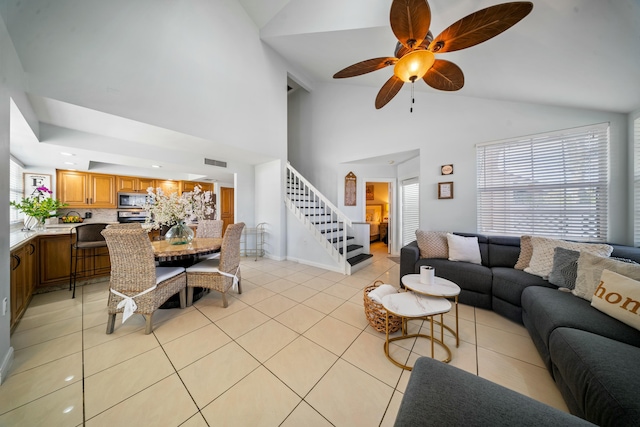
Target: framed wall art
x: 35, y: 180
x: 446, y: 170
x: 445, y: 190
x: 370, y: 192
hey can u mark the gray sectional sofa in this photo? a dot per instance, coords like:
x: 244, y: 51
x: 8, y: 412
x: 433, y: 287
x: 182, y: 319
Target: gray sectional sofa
x: 593, y: 358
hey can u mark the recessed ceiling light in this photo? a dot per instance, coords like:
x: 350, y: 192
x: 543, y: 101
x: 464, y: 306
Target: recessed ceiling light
x: 66, y: 154
x: 69, y: 163
x: 156, y: 166
x: 391, y: 162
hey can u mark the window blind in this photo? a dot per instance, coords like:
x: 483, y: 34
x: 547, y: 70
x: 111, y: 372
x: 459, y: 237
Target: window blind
x: 636, y: 182
x: 410, y: 209
x: 15, y: 188
x: 552, y: 184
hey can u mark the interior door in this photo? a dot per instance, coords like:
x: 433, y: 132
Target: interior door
x: 226, y: 207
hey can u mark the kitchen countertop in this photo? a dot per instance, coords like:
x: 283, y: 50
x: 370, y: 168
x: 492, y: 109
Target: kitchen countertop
x: 18, y: 237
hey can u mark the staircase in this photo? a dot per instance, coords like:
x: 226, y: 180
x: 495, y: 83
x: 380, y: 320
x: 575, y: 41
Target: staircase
x: 325, y: 222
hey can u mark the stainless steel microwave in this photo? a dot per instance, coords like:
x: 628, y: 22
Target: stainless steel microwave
x: 131, y: 200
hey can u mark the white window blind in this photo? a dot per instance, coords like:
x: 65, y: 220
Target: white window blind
x: 410, y: 210
x: 636, y: 182
x: 15, y: 188
x: 552, y: 184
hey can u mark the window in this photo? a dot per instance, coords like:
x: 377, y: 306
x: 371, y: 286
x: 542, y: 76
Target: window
x: 549, y: 184
x: 15, y: 188
x: 636, y: 182
x: 410, y: 210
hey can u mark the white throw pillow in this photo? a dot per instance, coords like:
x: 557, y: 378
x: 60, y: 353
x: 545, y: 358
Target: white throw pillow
x: 619, y: 297
x: 541, y: 262
x: 463, y: 249
x: 590, y: 268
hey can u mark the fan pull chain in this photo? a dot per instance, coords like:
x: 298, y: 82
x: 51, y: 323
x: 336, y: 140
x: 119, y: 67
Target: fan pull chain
x: 412, y: 98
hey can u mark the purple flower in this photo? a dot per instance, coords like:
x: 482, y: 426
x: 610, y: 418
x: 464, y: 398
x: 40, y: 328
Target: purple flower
x: 43, y: 189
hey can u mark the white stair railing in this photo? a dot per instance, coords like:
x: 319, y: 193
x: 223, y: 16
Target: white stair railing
x: 325, y: 221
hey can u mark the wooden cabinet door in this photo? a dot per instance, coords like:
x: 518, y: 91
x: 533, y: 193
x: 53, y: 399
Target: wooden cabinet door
x: 102, y: 191
x: 226, y: 207
x: 55, y: 259
x: 126, y: 183
x: 169, y: 187
x: 72, y: 188
x: 30, y: 269
x: 101, y: 262
x: 16, y: 279
x: 144, y: 183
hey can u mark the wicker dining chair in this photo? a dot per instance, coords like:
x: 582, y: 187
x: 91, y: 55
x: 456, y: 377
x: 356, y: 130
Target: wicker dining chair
x: 210, y: 228
x: 222, y: 273
x: 136, y: 284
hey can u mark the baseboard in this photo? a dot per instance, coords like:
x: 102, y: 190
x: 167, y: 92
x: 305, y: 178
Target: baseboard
x: 314, y: 264
x: 6, y: 365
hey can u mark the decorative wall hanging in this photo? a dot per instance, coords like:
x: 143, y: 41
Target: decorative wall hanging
x: 446, y: 170
x: 445, y: 190
x: 350, y: 189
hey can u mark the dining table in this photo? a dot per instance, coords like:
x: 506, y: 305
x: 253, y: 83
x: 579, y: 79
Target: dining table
x: 185, y: 255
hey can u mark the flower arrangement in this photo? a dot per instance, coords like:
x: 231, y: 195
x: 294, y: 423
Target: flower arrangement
x: 173, y: 209
x: 39, y: 205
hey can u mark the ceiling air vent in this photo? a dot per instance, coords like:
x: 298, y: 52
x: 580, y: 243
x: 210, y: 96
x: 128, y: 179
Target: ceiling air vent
x: 215, y: 163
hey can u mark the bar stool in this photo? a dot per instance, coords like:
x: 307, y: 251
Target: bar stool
x: 88, y: 238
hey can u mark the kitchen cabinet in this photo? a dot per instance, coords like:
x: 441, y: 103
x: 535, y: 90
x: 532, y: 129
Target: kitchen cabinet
x: 55, y: 261
x: 86, y: 190
x: 134, y: 184
x: 169, y: 186
x: 23, y: 278
x: 188, y: 186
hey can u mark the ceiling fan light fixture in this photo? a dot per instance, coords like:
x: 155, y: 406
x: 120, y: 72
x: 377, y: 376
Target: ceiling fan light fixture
x: 414, y: 65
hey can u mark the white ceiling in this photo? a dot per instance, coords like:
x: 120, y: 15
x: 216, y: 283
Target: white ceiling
x: 574, y: 53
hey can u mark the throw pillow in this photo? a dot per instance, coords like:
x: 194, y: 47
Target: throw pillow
x: 619, y: 297
x: 464, y: 249
x: 541, y: 262
x: 432, y: 244
x: 590, y: 269
x: 526, y: 250
x: 565, y: 268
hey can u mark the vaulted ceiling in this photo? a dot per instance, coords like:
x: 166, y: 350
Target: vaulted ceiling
x: 574, y: 53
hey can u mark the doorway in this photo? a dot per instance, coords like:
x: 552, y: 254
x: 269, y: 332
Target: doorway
x: 378, y: 208
x: 226, y: 207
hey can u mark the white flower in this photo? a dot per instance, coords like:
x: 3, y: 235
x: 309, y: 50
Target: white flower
x: 173, y: 209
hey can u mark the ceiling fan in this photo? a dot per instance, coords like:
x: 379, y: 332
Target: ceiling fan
x: 416, y: 48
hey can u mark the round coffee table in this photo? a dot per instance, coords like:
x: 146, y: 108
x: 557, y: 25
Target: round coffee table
x: 439, y: 288
x: 410, y: 305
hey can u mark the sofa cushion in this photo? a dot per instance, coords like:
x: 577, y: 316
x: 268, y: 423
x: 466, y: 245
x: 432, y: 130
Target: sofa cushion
x: 599, y: 373
x: 541, y: 262
x: 432, y: 244
x: 549, y: 309
x: 565, y: 268
x: 590, y: 269
x: 464, y: 249
x: 526, y: 251
x: 503, y: 251
x: 619, y: 297
x: 508, y: 284
x: 442, y: 395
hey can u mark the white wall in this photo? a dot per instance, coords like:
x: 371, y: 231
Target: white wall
x: 445, y: 127
x: 269, y: 207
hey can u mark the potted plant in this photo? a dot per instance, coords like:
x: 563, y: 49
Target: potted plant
x: 38, y: 207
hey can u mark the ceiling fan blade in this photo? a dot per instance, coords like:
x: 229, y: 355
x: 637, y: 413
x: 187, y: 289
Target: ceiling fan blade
x: 364, y: 67
x: 410, y: 20
x: 388, y: 91
x: 480, y: 26
x: 444, y: 75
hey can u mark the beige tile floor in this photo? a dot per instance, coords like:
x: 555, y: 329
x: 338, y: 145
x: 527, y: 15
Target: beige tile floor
x: 294, y: 349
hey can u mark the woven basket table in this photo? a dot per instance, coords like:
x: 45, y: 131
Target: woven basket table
x: 376, y: 314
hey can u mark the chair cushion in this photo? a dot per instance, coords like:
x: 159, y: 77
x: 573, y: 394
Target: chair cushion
x: 166, y: 273
x: 206, y: 266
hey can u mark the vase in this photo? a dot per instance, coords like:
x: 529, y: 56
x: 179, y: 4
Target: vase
x: 32, y: 223
x: 179, y: 234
